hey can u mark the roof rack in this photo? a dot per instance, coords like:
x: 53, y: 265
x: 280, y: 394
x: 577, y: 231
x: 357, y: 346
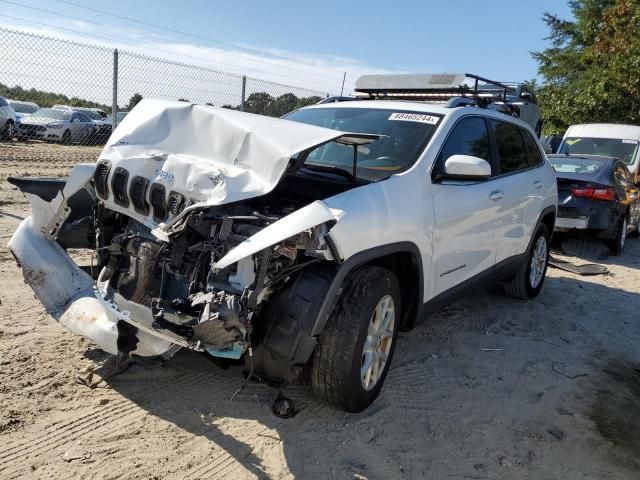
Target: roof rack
x: 436, y: 87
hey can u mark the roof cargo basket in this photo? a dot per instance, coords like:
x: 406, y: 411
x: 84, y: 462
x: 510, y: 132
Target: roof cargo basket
x: 435, y: 87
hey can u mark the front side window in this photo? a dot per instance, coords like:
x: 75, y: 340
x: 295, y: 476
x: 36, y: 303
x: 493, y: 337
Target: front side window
x: 512, y: 154
x: 3, y: 102
x: 622, y: 149
x: 468, y: 137
x: 406, y: 134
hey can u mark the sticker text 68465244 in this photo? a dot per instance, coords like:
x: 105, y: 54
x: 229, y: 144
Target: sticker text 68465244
x: 414, y: 117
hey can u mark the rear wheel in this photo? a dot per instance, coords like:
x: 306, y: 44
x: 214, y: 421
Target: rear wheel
x: 527, y: 283
x: 616, y: 244
x: 355, y: 349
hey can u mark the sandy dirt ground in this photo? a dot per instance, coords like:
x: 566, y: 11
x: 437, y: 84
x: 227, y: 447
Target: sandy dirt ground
x: 490, y: 387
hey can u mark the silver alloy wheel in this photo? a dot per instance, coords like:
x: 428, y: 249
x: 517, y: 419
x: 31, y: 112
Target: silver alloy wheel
x: 377, y: 345
x: 538, y: 262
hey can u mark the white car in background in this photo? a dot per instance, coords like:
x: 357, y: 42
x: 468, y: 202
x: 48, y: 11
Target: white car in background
x: 53, y: 125
x: 102, y: 127
x: 300, y: 243
x: 7, y: 120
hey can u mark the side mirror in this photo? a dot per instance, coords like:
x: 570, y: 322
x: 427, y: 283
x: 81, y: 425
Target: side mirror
x: 466, y: 167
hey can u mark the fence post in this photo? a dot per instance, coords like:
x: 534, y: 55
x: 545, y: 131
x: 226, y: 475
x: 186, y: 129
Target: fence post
x: 244, y: 92
x: 114, y: 104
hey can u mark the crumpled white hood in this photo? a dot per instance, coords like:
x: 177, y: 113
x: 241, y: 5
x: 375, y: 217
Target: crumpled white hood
x: 211, y: 155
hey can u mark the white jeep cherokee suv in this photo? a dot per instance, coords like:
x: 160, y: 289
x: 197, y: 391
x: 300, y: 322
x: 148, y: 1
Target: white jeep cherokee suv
x: 289, y: 244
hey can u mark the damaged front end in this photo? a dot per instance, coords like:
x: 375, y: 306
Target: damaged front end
x: 188, y: 250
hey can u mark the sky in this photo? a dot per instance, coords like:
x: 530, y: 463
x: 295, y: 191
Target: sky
x: 306, y: 44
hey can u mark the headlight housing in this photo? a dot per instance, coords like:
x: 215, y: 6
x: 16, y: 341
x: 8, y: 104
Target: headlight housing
x: 54, y: 125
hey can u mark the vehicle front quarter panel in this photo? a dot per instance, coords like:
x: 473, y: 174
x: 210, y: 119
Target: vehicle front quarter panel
x: 393, y: 211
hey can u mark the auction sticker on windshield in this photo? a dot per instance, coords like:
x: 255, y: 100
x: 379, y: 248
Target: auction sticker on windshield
x: 414, y: 117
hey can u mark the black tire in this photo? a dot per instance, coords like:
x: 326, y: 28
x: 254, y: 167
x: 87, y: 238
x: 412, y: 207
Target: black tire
x: 337, y: 360
x: 8, y: 131
x: 635, y: 233
x: 66, y: 137
x: 520, y: 286
x: 617, y: 243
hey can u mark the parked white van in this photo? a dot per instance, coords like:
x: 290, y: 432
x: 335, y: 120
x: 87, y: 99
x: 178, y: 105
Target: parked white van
x: 606, y: 139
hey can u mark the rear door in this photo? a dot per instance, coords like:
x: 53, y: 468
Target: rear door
x: 520, y: 186
x: 466, y: 215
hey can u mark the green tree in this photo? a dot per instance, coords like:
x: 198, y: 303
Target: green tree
x: 590, y: 70
x: 47, y: 99
x: 258, y: 102
x: 133, y: 101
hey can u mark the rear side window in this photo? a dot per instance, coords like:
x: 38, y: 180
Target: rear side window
x: 533, y: 152
x: 468, y: 137
x: 512, y: 154
x: 3, y: 102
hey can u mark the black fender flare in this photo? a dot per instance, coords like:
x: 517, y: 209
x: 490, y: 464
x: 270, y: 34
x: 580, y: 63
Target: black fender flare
x: 288, y: 329
x: 355, y: 261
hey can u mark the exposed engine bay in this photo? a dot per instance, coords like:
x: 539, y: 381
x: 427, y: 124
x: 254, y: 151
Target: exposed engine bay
x: 176, y: 287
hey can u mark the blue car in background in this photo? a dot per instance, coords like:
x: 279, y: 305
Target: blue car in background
x: 596, y: 194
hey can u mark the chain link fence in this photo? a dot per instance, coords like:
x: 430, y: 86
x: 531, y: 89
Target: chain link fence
x: 67, y: 96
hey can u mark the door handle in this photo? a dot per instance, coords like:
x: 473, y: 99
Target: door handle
x: 496, y: 195
x: 537, y: 184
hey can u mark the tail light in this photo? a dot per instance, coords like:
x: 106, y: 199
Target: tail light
x: 604, y: 193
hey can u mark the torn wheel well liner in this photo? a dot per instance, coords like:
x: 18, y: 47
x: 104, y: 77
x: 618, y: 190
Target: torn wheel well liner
x: 283, y: 332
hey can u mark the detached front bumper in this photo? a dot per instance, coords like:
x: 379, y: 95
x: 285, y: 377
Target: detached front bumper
x: 68, y: 293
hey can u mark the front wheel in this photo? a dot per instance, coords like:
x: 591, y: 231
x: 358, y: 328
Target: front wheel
x: 355, y: 349
x: 9, y: 130
x: 66, y: 138
x: 527, y: 283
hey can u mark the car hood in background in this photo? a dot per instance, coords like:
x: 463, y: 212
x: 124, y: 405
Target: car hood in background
x: 31, y: 120
x: 210, y: 155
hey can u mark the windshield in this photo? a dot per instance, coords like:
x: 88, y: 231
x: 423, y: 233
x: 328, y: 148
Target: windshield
x: 406, y: 133
x: 51, y: 113
x: 576, y: 165
x: 621, y: 149
x: 23, y: 107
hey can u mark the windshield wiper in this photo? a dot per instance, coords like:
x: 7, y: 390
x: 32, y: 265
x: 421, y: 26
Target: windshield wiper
x: 316, y: 167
